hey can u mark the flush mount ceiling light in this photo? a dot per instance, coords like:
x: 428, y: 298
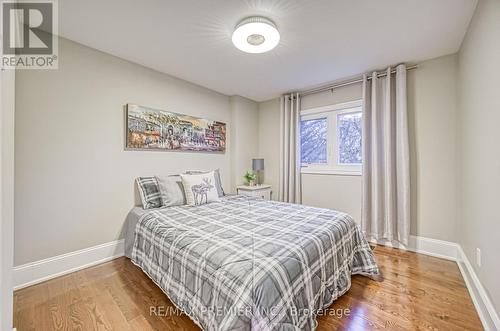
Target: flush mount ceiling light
x: 256, y: 35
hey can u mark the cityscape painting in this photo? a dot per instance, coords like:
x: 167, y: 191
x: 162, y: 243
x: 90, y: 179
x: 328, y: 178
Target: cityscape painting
x: 149, y: 128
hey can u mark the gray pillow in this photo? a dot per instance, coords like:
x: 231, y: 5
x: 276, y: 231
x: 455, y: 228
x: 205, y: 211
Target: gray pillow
x: 218, y: 181
x: 171, y: 190
x: 150, y: 194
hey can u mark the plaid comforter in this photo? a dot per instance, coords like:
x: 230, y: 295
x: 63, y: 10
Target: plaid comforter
x: 251, y: 264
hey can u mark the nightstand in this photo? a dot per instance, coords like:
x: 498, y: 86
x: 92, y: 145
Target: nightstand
x: 260, y: 191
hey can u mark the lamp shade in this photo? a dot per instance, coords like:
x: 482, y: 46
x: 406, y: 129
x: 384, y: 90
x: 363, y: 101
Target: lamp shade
x: 257, y: 164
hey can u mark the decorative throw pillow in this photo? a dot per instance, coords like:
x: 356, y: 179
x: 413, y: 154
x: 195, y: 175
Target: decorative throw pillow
x: 150, y: 194
x: 218, y: 181
x: 171, y: 190
x: 199, y: 188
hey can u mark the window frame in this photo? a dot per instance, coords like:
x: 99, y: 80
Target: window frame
x: 331, y: 113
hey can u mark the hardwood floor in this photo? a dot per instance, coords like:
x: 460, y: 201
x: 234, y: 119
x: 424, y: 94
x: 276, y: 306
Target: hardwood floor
x: 417, y: 292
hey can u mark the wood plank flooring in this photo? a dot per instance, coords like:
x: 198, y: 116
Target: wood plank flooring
x: 417, y: 292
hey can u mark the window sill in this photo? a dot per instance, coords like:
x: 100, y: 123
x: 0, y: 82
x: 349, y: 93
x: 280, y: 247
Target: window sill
x: 330, y: 172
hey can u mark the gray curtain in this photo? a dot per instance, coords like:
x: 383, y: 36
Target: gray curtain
x: 386, y: 161
x: 289, y: 181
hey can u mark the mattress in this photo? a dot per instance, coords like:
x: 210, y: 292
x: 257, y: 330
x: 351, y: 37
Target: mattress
x: 249, y: 264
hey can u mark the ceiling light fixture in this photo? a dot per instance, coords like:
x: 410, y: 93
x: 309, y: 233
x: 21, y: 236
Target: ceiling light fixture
x: 256, y: 35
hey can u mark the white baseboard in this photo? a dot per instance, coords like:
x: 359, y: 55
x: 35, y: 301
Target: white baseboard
x: 39, y: 271
x: 480, y: 298
x: 433, y: 247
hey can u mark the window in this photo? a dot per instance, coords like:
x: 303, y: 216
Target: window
x: 313, y: 140
x: 330, y: 139
x: 349, y: 138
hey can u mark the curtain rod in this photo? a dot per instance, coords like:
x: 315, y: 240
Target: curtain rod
x: 347, y: 83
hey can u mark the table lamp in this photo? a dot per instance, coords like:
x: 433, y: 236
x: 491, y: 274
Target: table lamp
x: 258, y: 166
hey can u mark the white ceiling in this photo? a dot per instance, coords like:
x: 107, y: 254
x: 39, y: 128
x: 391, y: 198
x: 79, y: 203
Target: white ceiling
x: 321, y: 40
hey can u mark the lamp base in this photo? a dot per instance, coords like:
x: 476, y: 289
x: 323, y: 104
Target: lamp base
x: 258, y: 179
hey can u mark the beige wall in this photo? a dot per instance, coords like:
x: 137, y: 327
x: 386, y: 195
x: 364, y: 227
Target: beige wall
x: 339, y: 95
x: 7, y: 107
x: 479, y: 137
x: 269, y: 139
x: 74, y: 180
x: 433, y: 112
x: 244, y: 133
x: 432, y: 122
x: 342, y: 193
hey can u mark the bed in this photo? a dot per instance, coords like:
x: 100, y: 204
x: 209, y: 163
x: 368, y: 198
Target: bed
x: 249, y: 264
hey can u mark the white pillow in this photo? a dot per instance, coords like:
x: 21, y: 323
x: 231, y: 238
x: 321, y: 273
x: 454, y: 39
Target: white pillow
x: 218, y: 182
x: 200, y: 188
